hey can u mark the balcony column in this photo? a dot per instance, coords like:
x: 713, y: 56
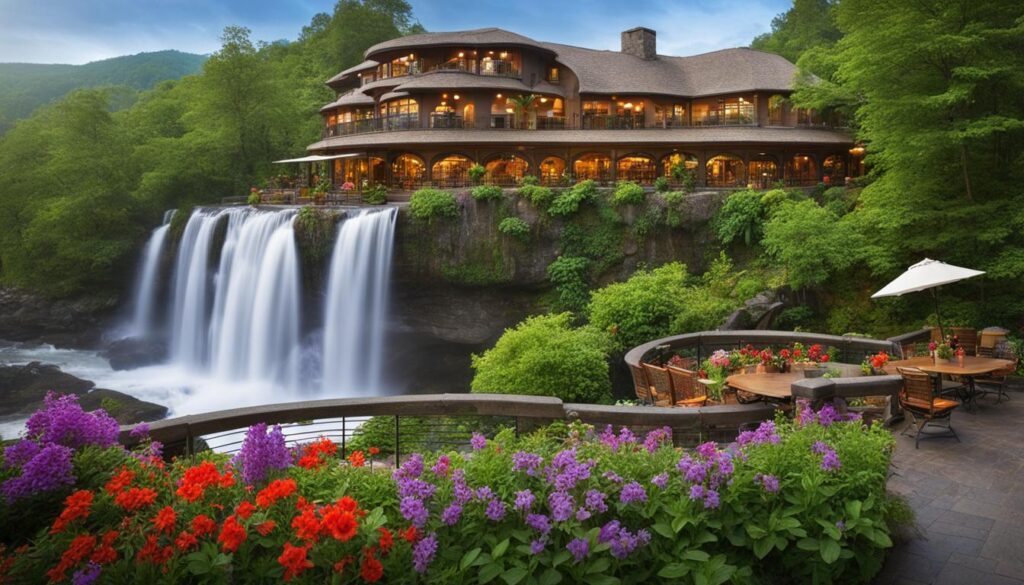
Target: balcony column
x: 702, y: 168
x: 757, y: 110
x: 614, y: 170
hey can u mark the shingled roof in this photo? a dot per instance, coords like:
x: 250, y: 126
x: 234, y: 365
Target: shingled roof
x: 353, y: 98
x: 476, y: 37
x: 442, y: 80
x: 364, y: 66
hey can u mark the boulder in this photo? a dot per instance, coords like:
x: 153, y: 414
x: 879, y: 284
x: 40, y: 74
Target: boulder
x: 126, y: 409
x: 74, y: 322
x: 757, y: 313
x: 135, y: 352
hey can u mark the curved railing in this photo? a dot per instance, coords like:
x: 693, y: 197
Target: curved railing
x: 437, y: 416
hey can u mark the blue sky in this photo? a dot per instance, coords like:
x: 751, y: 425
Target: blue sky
x: 78, y: 31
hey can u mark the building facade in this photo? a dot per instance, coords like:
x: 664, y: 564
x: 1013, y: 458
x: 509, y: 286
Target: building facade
x: 423, y: 109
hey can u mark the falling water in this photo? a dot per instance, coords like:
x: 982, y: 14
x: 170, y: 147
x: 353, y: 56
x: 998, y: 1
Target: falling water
x: 146, y: 282
x: 356, y: 303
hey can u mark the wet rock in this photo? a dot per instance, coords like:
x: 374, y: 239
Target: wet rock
x: 126, y: 409
x: 134, y: 352
x: 75, y: 322
x: 757, y: 313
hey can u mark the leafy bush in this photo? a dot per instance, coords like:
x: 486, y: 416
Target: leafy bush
x: 799, y: 502
x: 314, y: 234
x: 740, y: 218
x: 546, y: 356
x: 427, y: 204
x: 569, y: 276
x: 476, y: 173
x: 529, y: 180
x: 661, y: 184
x: 539, y: 195
x: 253, y: 198
x: 628, y: 193
x: 675, y: 212
x: 487, y: 192
x: 568, y: 201
x: 376, y: 195
x: 515, y: 227
x: 809, y: 241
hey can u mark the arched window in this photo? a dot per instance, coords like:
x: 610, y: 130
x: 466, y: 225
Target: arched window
x: 551, y: 170
x: 834, y: 168
x: 763, y: 171
x: 725, y: 170
x: 676, y: 164
x: 592, y: 166
x: 639, y: 168
x: 801, y: 170
x: 407, y: 171
x: 505, y: 170
x: 451, y: 171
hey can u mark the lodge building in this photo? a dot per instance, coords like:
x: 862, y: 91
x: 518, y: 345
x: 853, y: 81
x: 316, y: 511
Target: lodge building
x: 422, y: 109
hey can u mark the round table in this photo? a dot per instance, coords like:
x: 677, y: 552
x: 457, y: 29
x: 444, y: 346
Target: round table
x: 776, y: 386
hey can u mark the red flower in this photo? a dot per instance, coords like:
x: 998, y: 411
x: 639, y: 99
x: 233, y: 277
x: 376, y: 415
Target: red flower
x: 245, y: 509
x: 371, y: 569
x: 357, y: 459
x: 232, y: 535
x: 410, y: 534
x: 227, y: 480
x: 120, y: 481
x: 203, y: 525
x: 373, y: 451
x: 77, y: 551
x: 196, y: 479
x: 315, y: 454
x: 339, y: 524
x: 347, y: 504
x: 265, y: 528
x: 186, y: 541
x: 279, y: 488
x: 165, y: 519
x: 306, y: 525
x: 75, y: 506
x: 824, y: 358
x: 105, y: 554
x: 387, y: 540
x: 340, y: 565
x: 294, y: 560
x: 135, y: 498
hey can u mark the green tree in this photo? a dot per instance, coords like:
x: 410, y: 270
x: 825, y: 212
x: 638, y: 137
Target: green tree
x: 807, y: 24
x: 809, y: 242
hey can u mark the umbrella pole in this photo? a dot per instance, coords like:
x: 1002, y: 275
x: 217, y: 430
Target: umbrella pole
x: 938, y: 316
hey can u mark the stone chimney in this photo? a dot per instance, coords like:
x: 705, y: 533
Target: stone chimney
x: 640, y: 42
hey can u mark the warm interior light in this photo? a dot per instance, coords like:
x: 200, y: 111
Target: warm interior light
x: 499, y: 95
x: 444, y: 95
x: 628, y: 106
x: 543, y: 100
x: 461, y: 55
x: 456, y: 96
x: 509, y: 110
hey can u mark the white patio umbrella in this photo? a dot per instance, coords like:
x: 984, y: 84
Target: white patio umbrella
x: 927, y: 274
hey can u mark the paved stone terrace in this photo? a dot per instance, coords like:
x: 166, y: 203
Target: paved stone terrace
x: 968, y: 499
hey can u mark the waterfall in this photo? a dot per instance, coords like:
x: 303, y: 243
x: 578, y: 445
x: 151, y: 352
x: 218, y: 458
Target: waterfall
x: 142, y: 323
x: 189, y: 311
x: 356, y: 303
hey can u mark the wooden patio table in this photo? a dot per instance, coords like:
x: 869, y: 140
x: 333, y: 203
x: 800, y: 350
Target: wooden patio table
x: 972, y: 366
x: 776, y: 386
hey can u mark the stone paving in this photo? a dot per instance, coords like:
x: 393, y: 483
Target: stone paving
x: 968, y: 499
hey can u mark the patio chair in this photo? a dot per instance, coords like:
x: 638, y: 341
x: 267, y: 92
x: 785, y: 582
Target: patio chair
x: 968, y: 339
x: 640, y: 384
x: 925, y: 408
x: 995, y: 382
x: 909, y: 350
x: 661, y: 385
x: 688, y: 391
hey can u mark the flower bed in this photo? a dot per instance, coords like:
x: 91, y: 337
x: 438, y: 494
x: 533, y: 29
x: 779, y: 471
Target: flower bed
x: 788, y: 502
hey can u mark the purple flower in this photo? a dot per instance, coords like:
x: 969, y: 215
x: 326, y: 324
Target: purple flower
x: 49, y: 469
x: 657, y: 438
x: 582, y: 514
x: 769, y: 483
x: 608, y: 531
x: 820, y: 447
x: 537, y: 547
x: 415, y: 487
x: 87, y: 575
x: 563, y: 458
x: 478, y: 441
x: 261, y: 453
x: 594, y: 500
x: 707, y: 450
x: 830, y: 462
x: 660, y: 480
x: 442, y: 466
x: 765, y: 433
x: 62, y: 421
x: 140, y: 431
x: 579, y: 547
x: 828, y: 415
x: 495, y: 510
x: 804, y: 413
x: 840, y: 525
x: 524, y: 500
x: 412, y: 468
x: 539, y: 522
x: 528, y: 462
x: 632, y: 492
x: 451, y: 514
x: 613, y: 477
x: 623, y: 544
x: 20, y: 453
x: 484, y: 493
x: 414, y: 511
x: 463, y: 493
x: 697, y: 492
x: 711, y: 499
x: 609, y: 438
x: 423, y: 553
x: 697, y: 472
x: 561, y: 505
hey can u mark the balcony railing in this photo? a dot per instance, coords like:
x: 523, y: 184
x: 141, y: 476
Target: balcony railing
x: 671, y: 122
x: 384, y: 124
x: 716, y: 119
x: 508, y: 122
x: 612, y: 122
x: 443, y: 120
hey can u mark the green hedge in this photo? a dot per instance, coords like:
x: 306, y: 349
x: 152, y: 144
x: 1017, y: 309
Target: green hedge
x: 428, y: 204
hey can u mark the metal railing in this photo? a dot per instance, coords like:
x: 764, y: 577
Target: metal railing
x: 438, y: 420
x: 612, y: 122
x: 726, y: 120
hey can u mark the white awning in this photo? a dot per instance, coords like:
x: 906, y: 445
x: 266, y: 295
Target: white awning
x: 318, y: 158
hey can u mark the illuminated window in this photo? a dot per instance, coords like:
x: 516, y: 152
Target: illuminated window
x: 553, y: 74
x: 725, y: 170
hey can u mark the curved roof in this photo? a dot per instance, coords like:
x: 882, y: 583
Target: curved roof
x: 391, y: 95
x: 477, y: 37
x: 442, y: 80
x: 364, y: 66
x: 354, y: 98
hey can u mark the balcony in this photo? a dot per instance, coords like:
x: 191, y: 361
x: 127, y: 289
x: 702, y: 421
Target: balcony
x: 726, y: 119
x: 448, y: 121
x: 383, y: 124
x: 612, y: 122
x: 508, y: 122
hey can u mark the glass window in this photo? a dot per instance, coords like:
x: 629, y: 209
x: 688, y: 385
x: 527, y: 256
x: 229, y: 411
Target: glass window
x: 505, y: 170
x: 592, y: 166
x: 451, y: 171
x: 638, y: 168
x: 553, y: 74
x: 725, y: 170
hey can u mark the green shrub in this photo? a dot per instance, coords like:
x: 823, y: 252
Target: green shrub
x: 253, y: 198
x: 661, y: 184
x: 314, y: 235
x: 376, y: 195
x: 628, y: 193
x: 178, y: 222
x: 809, y: 241
x: 529, y: 180
x: 487, y: 192
x: 546, y: 356
x: 568, y: 201
x: 569, y: 276
x: 741, y: 217
x: 476, y: 173
x: 675, y: 211
x: 515, y: 227
x: 427, y: 204
x: 539, y: 195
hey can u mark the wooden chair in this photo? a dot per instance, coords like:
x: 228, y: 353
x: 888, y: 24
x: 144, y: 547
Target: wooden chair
x: 909, y: 350
x: 968, y: 339
x: 661, y: 385
x: 918, y: 399
x: 995, y: 382
x: 688, y: 391
x: 640, y: 385
x: 987, y: 352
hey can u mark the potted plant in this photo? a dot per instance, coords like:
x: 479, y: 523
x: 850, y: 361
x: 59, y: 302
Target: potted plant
x: 476, y: 173
x: 875, y: 364
x: 941, y: 350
